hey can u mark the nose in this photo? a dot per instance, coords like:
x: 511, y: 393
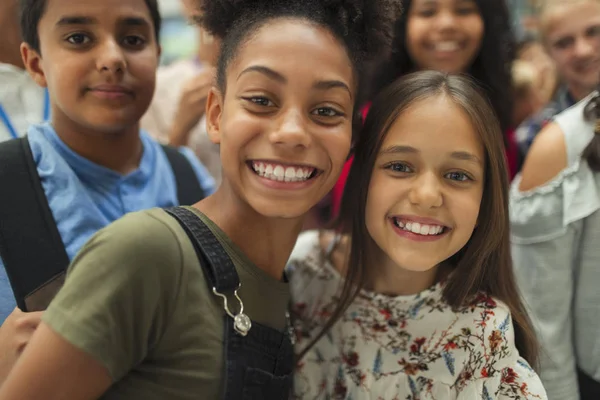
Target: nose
x: 426, y: 192
x: 111, y: 58
x: 446, y: 20
x: 584, y: 47
x: 291, y: 131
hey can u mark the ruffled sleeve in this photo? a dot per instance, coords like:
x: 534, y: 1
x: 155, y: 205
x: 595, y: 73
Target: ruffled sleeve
x: 546, y: 226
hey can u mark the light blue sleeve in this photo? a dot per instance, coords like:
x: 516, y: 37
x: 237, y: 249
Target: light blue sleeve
x: 7, y: 299
x: 207, y: 182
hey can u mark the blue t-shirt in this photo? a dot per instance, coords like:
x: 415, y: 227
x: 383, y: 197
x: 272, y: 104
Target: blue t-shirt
x: 84, y: 197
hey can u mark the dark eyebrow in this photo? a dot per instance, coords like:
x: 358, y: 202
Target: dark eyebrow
x: 265, y: 71
x: 333, y: 84
x: 134, y: 21
x: 320, y: 85
x: 82, y: 20
x: 76, y: 20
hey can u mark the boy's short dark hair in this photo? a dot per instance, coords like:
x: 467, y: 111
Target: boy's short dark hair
x: 32, y: 12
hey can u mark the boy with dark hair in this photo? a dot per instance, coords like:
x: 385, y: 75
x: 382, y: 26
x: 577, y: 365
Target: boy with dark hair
x: 92, y: 163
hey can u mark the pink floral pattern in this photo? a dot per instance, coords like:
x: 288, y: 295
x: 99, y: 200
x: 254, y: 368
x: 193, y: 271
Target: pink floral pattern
x: 409, y: 348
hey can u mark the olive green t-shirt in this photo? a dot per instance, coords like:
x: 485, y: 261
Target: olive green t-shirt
x: 136, y: 300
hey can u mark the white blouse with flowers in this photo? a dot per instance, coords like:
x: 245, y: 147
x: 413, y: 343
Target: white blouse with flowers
x: 406, y: 347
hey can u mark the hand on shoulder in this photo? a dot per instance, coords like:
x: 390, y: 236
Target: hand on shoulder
x: 547, y: 157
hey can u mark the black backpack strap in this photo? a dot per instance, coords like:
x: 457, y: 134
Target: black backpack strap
x: 30, y: 245
x: 216, y: 262
x: 189, y: 190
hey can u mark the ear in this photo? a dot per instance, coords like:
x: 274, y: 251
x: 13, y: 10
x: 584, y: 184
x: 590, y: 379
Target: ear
x: 34, y: 64
x: 159, y: 51
x: 214, y: 109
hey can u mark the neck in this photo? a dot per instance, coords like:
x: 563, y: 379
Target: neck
x: 394, y: 280
x: 579, y: 92
x: 119, y: 151
x: 267, y: 242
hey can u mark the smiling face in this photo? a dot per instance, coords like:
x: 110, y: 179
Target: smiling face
x: 572, y: 36
x: 444, y: 35
x: 284, y: 126
x: 98, y: 60
x: 427, y: 185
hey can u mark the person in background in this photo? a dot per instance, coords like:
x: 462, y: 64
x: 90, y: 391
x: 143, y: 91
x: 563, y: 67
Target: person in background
x: 531, y: 50
x: 570, y: 32
x: 177, y: 113
x: 453, y: 36
x: 555, y: 231
x: 22, y: 101
x: 528, y: 91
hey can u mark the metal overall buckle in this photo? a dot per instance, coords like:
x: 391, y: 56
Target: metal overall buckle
x: 241, y: 322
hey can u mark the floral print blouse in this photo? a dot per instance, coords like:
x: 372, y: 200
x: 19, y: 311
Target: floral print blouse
x: 405, y: 347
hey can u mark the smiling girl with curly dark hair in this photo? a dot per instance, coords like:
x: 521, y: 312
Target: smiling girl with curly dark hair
x: 190, y: 303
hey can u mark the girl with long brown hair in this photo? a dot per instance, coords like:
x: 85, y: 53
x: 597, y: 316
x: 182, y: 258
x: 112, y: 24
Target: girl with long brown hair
x: 415, y: 297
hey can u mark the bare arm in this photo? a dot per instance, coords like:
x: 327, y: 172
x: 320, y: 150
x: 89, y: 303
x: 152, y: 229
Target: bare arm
x: 50, y: 368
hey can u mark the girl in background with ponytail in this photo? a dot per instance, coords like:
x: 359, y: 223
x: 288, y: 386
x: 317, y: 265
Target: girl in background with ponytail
x: 555, y: 234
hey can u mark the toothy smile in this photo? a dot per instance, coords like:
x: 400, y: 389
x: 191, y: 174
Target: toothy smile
x: 283, y: 173
x: 447, y: 46
x: 419, y: 228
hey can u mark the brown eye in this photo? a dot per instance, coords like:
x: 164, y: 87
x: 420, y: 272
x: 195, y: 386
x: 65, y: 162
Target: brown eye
x: 78, y: 39
x: 326, y: 112
x: 134, y: 41
x: 259, y: 101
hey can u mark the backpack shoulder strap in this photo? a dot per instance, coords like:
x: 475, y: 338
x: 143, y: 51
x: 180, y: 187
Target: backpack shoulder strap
x: 189, y: 190
x: 30, y: 245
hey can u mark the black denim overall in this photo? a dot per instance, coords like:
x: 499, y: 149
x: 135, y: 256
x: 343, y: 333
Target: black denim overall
x: 258, y: 365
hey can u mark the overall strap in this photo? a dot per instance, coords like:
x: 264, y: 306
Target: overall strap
x: 189, y: 190
x: 216, y: 262
x: 31, y: 248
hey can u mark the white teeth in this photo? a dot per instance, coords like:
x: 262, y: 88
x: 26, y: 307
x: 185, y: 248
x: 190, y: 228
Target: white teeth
x: 280, y: 173
x: 447, y: 46
x: 419, y: 229
x: 416, y: 227
x: 290, y: 173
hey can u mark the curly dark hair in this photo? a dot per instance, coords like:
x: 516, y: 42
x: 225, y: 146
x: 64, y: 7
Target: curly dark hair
x: 362, y: 26
x: 491, y: 68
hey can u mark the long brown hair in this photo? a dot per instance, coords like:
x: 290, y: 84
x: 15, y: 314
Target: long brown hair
x: 484, y: 264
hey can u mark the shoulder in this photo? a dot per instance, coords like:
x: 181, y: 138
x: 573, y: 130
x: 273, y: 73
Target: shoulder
x: 307, y: 244
x: 141, y: 241
x: 308, y: 268
x: 520, y: 381
x: 490, y: 321
x: 546, y: 158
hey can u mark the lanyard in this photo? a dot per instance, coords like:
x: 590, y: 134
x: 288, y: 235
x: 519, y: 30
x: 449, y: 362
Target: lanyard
x: 8, y: 123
